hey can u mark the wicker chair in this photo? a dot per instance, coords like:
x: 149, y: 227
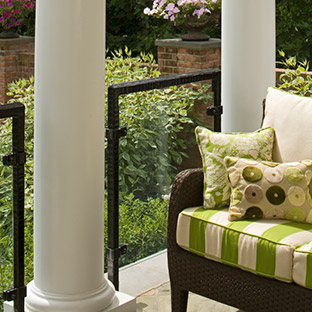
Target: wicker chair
x: 229, y: 285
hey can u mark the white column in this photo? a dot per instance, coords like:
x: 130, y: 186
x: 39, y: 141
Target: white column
x: 69, y: 159
x: 248, y: 61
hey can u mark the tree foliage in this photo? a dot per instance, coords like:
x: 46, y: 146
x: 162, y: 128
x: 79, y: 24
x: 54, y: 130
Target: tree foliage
x: 294, y: 28
x: 127, y: 25
x: 296, y: 78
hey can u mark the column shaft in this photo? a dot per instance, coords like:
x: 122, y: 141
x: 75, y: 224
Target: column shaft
x: 248, y: 61
x: 69, y: 158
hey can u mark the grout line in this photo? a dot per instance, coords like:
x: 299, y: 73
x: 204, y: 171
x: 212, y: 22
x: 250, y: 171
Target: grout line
x: 154, y: 287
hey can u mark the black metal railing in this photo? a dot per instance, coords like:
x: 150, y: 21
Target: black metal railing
x: 17, y: 159
x: 114, y: 132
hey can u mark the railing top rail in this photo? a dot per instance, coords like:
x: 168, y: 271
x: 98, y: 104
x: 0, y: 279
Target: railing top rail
x: 12, y: 110
x: 164, y: 81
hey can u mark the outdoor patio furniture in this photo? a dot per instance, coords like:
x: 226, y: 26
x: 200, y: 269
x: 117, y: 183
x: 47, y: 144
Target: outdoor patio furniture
x: 216, y: 277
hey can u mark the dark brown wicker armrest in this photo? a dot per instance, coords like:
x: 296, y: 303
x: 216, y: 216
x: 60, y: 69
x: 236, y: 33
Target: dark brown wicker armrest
x: 187, y: 191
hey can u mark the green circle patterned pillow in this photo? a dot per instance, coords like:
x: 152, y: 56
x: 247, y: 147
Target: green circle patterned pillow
x: 214, y: 146
x: 269, y: 190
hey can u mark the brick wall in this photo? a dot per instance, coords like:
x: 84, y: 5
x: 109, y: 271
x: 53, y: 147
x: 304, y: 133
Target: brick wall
x: 176, y: 56
x: 25, y: 64
x: 13, y: 64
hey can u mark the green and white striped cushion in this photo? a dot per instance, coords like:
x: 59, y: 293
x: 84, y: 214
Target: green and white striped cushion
x: 302, y: 272
x: 264, y: 247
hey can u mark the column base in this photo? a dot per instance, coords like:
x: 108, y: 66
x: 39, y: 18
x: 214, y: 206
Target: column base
x: 94, y: 301
x: 121, y: 303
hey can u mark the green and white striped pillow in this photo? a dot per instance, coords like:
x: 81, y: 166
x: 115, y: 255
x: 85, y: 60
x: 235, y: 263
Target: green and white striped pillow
x: 214, y: 146
x: 264, y: 247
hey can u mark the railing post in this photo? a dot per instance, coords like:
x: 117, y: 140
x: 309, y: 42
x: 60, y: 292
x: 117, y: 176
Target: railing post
x: 113, y: 133
x: 216, y: 89
x: 18, y: 207
x: 17, y: 160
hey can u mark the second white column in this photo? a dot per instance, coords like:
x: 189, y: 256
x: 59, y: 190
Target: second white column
x: 248, y: 61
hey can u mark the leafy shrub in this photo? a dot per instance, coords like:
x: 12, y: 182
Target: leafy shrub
x: 295, y: 79
x: 294, y: 27
x: 143, y: 227
x: 153, y: 147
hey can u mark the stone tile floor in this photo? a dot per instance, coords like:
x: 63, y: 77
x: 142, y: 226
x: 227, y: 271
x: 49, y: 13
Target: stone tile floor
x: 148, y: 281
x: 157, y: 299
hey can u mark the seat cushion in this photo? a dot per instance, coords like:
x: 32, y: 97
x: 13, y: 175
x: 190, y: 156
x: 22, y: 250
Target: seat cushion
x: 265, y: 247
x: 302, y: 272
x: 290, y: 116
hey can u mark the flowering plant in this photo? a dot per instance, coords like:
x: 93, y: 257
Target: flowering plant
x: 178, y: 11
x: 14, y: 12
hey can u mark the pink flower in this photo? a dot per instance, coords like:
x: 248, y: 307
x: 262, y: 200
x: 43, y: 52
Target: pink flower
x: 162, y: 3
x: 170, y: 7
x: 179, y: 10
x: 200, y: 12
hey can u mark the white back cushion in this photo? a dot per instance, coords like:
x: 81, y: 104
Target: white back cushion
x: 291, y: 117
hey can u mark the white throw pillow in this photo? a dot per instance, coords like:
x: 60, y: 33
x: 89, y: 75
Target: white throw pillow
x: 290, y: 116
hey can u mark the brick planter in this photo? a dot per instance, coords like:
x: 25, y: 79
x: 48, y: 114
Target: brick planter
x: 177, y: 56
x: 16, y: 61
